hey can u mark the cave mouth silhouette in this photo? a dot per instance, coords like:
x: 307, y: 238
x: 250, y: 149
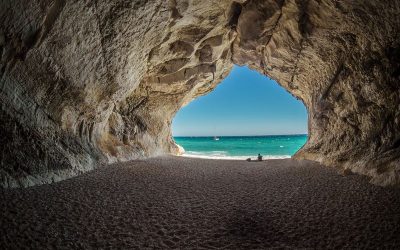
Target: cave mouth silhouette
x: 246, y: 114
x: 74, y: 97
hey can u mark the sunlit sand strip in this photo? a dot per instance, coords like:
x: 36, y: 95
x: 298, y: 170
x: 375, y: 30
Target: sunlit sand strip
x: 241, y: 157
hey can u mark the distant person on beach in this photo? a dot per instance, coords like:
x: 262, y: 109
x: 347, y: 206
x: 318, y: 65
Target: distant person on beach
x: 259, y: 157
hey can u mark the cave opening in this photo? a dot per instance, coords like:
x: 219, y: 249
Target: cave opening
x: 245, y: 115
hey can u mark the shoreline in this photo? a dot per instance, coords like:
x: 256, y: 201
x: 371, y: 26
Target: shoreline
x: 235, y: 158
x: 240, y: 147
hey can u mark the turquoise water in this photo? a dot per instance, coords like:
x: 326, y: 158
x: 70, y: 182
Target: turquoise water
x: 242, y: 147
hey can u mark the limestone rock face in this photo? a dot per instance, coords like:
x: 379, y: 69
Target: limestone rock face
x: 341, y: 58
x: 85, y: 83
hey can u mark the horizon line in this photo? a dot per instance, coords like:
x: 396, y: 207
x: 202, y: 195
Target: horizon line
x: 234, y: 135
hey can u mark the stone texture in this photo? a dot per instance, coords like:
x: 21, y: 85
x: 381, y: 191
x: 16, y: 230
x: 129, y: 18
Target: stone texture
x: 85, y: 83
x: 342, y: 60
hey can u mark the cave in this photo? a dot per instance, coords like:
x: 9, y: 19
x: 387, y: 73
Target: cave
x: 88, y: 89
x: 91, y: 83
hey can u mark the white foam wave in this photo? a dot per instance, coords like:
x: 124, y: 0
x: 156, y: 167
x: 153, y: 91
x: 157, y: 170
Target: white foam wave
x: 201, y: 155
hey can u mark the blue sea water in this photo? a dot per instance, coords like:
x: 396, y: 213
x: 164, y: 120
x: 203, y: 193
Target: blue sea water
x: 242, y: 147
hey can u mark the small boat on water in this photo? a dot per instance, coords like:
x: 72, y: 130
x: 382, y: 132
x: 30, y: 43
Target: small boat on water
x: 216, y: 138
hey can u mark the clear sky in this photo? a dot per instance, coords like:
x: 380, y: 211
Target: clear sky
x: 245, y: 103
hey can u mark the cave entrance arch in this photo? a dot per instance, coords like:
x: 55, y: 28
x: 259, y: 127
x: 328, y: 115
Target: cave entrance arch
x: 246, y: 114
x: 112, y: 98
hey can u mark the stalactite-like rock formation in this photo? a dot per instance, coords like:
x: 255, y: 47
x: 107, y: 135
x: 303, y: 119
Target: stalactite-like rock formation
x: 84, y: 83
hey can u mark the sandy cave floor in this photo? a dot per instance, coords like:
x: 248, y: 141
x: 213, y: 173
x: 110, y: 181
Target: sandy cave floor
x: 186, y: 203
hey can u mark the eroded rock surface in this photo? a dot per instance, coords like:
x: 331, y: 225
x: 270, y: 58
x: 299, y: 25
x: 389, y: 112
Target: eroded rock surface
x: 90, y: 82
x: 342, y: 60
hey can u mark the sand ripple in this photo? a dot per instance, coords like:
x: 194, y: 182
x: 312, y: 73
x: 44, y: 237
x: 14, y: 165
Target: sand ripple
x: 187, y: 203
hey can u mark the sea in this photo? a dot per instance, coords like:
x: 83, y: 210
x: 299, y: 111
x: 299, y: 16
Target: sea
x: 241, y: 147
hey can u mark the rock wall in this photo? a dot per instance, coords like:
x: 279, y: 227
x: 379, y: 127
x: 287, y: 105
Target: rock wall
x: 85, y: 83
x: 341, y: 58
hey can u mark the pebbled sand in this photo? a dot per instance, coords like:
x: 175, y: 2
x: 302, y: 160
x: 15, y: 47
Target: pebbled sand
x: 187, y: 203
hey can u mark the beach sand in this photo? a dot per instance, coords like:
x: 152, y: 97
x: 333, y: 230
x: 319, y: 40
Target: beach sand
x: 188, y: 203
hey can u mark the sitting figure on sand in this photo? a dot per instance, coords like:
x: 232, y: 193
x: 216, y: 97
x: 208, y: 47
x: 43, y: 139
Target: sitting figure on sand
x: 259, y: 158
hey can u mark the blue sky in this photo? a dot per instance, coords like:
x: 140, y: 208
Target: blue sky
x: 244, y: 103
